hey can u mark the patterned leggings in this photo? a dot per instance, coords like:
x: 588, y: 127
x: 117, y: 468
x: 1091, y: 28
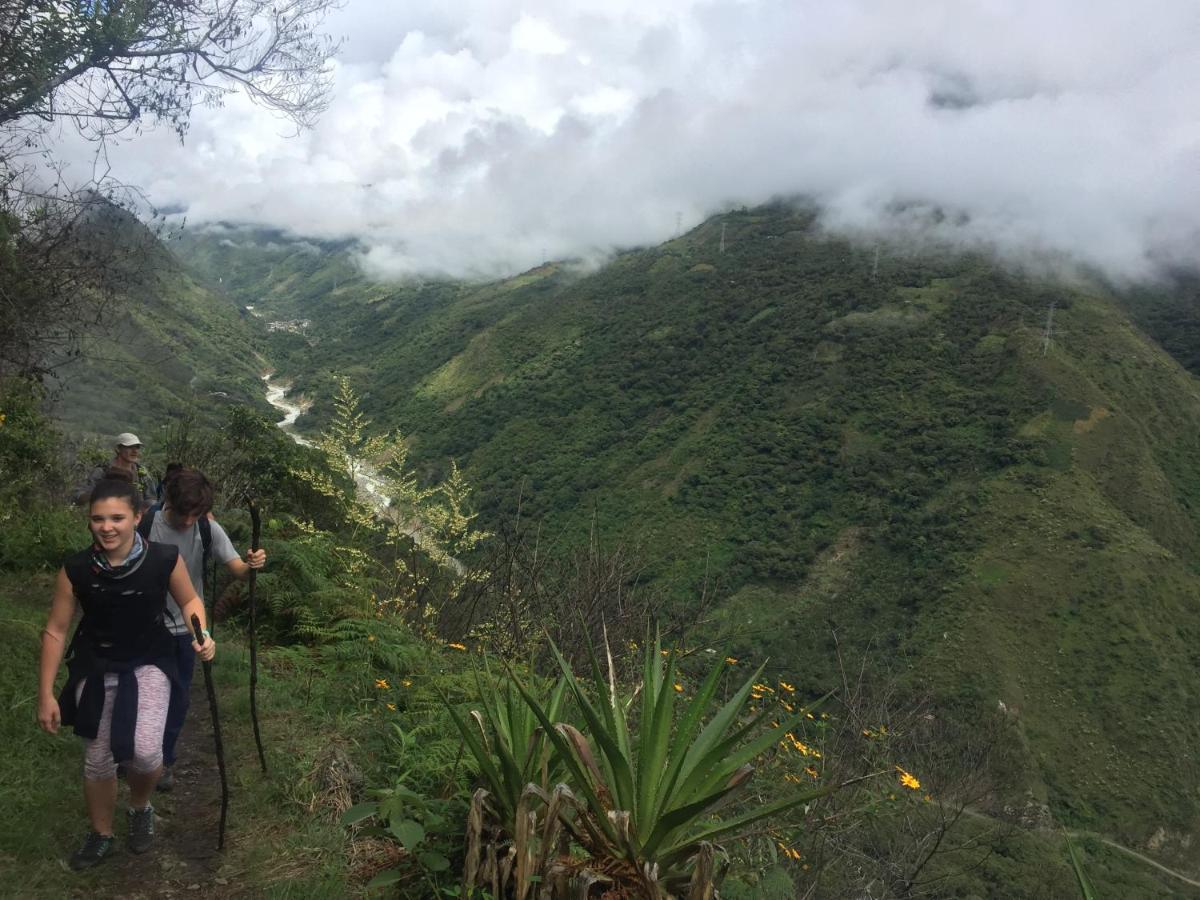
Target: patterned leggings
x: 154, y: 694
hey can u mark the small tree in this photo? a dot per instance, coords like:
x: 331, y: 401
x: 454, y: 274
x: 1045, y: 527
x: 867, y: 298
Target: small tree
x: 345, y: 441
x: 104, y: 65
x: 419, y: 531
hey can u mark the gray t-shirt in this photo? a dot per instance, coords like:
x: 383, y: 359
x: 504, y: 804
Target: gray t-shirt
x: 191, y: 548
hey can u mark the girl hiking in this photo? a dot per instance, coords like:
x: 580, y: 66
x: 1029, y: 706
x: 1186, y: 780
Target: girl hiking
x: 120, y: 663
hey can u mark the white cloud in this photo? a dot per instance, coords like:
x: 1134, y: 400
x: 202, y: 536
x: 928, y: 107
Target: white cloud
x: 474, y: 138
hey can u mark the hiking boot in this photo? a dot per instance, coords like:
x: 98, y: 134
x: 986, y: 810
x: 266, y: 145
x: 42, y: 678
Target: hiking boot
x: 166, y: 781
x: 141, y: 829
x: 94, y: 849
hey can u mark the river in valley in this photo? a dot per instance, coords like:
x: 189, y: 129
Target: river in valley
x: 370, y: 484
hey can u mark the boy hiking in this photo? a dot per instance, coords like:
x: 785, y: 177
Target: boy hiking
x: 184, y: 522
x: 124, y: 466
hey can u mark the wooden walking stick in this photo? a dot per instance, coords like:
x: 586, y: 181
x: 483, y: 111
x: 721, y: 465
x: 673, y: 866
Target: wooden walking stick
x: 256, y: 533
x: 216, y: 724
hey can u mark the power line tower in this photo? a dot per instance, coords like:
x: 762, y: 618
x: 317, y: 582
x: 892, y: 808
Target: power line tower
x: 722, y: 250
x: 678, y: 224
x: 1048, y: 333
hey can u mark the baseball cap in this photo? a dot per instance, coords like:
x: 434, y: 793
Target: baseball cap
x: 127, y: 439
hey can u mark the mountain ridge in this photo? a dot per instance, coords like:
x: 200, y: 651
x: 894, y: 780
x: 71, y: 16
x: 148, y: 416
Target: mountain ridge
x: 888, y: 444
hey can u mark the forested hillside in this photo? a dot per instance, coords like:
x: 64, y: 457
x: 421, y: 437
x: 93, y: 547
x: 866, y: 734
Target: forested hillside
x: 167, y: 347
x: 880, y: 442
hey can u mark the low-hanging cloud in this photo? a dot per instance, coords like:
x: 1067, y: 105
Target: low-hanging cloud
x: 481, y: 138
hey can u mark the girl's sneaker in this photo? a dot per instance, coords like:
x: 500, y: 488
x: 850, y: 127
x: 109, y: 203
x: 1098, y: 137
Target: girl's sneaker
x: 141, y: 829
x: 94, y: 849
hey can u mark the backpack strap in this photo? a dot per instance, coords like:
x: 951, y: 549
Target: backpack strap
x: 147, y: 521
x: 205, y: 536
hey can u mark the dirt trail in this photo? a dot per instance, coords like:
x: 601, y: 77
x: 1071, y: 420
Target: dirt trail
x: 1129, y: 851
x: 184, y: 861
x: 1146, y: 859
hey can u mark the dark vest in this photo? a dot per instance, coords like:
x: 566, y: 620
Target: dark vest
x: 122, y: 617
x: 121, y: 629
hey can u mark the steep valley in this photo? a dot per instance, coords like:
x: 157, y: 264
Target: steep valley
x: 837, y: 456
x: 889, y: 446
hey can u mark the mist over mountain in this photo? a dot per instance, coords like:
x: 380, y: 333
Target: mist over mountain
x: 486, y: 138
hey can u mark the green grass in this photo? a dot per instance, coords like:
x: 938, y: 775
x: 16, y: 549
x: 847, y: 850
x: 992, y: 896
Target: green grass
x: 274, y: 847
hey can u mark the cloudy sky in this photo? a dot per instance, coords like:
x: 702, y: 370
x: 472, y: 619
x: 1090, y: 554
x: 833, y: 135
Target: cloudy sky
x: 475, y: 137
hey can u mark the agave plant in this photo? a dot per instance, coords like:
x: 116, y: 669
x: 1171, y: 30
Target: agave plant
x: 513, y: 827
x: 644, y: 798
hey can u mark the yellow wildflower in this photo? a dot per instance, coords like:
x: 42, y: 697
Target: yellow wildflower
x: 678, y: 688
x: 791, y: 689
x: 457, y: 646
x: 370, y: 637
x: 808, y: 715
x: 406, y: 683
x: 810, y: 771
x: 665, y: 652
x: 392, y: 707
x: 908, y: 780
x: 382, y: 684
x: 787, y: 851
x: 731, y: 661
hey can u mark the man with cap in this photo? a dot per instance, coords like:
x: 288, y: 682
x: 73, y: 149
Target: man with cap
x: 124, y: 464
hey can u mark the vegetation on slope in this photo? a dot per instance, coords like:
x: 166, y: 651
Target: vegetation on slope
x: 168, y: 345
x: 888, y: 453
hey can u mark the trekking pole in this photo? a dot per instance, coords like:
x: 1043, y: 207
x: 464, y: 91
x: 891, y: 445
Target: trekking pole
x: 256, y: 532
x: 216, y: 724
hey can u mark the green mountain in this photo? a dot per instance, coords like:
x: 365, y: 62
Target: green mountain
x: 170, y: 345
x: 882, y: 442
